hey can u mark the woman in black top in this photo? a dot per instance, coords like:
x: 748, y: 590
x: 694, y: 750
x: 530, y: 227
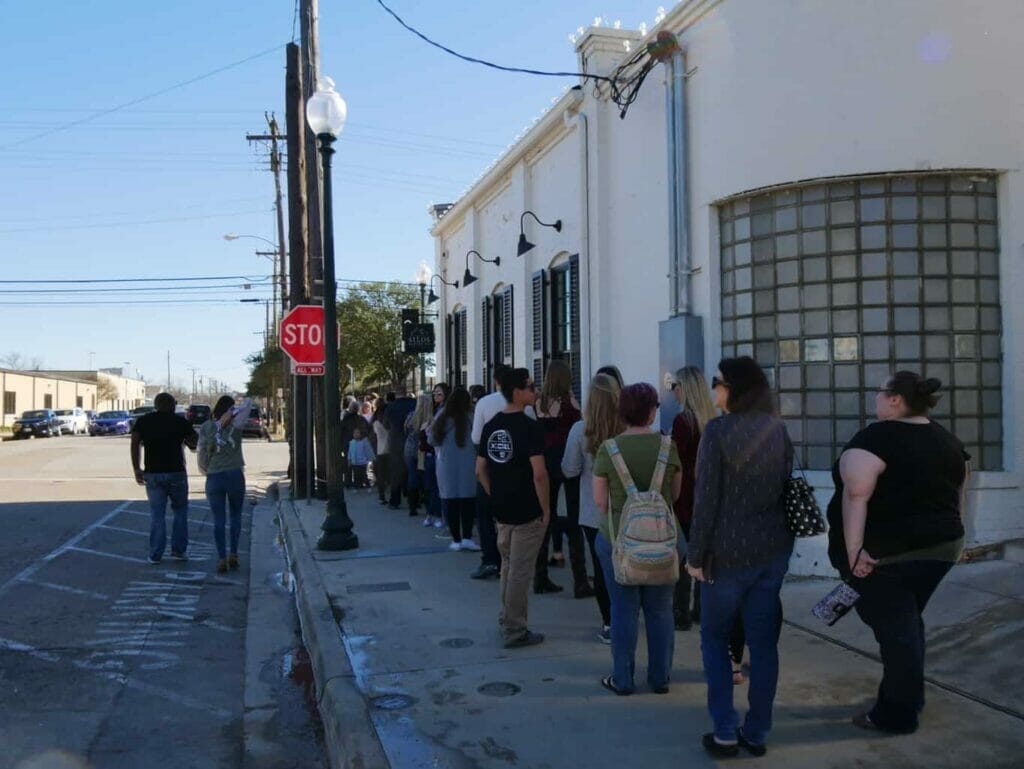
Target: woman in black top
x: 895, y: 531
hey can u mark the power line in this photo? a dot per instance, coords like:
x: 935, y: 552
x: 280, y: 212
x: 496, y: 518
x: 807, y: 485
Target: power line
x: 133, y: 224
x: 486, y: 63
x: 140, y: 280
x: 147, y: 97
x: 246, y: 287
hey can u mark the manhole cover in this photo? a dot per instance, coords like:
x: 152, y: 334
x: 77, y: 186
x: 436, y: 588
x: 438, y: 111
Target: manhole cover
x: 392, y: 701
x: 456, y: 643
x: 499, y: 689
x: 379, y: 587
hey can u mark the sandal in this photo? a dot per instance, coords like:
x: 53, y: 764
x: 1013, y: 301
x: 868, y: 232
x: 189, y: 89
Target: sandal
x: 606, y: 682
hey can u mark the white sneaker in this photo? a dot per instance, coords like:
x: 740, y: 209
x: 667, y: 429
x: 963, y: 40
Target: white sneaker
x: 455, y: 546
x: 468, y: 544
x: 428, y: 521
x: 438, y: 523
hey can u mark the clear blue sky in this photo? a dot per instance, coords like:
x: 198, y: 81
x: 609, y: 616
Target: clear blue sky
x: 149, y: 191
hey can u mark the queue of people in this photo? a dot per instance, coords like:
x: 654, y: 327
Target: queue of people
x: 715, y: 485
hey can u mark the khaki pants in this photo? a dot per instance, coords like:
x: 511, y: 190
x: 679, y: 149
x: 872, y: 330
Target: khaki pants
x: 518, y: 545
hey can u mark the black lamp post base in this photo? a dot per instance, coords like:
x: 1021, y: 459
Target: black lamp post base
x: 336, y: 531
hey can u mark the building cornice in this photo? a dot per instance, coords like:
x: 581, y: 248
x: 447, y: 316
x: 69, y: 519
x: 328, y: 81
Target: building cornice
x: 551, y: 121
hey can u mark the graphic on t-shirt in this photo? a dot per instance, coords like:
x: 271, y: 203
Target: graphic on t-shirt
x: 499, y: 446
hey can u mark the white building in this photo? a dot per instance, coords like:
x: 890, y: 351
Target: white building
x: 848, y: 202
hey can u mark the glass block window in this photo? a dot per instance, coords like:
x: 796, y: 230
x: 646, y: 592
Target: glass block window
x: 833, y: 286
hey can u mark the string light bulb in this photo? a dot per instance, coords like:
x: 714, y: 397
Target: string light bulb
x: 617, y: 24
x: 572, y: 39
x: 627, y: 46
x: 660, y: 15
x: 597, y: 21
x: 643, y: 28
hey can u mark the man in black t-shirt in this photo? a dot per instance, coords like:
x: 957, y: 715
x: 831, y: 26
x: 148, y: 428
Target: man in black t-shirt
x: 510, y: 466
x: 163, y: 433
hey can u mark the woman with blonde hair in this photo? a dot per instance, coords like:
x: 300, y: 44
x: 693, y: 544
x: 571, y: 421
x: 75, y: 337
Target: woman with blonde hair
x: 695, y: 411
x: 557, y: 412
x: 417, y: 422
x: 601, y: 421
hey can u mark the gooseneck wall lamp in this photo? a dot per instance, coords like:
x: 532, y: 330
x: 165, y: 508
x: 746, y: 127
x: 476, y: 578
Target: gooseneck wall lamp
x: 434, y: 297
x: 469, y: 277
x: 524, y: 244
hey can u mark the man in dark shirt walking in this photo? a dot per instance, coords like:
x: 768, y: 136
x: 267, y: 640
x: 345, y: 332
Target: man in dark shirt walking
x: 162, y: 433
x: 510, y: 467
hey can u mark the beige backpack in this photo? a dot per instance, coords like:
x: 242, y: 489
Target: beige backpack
x: 645, y: 550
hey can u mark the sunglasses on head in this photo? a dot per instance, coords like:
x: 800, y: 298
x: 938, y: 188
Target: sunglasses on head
x: 716, y: 382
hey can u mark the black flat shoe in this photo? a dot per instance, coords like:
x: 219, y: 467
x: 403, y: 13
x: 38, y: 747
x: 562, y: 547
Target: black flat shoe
x: 606, y: 682
x: 751, y: 747
x: 583, y: 591
x: 716, y: 749
x: 547, y: 587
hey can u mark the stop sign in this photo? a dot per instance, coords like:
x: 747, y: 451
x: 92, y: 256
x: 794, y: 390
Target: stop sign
x: 302, y: 334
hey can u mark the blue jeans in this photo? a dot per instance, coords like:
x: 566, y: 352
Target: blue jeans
x: 433, y: 501
x: 161, y: 487
x: 627, y: 600
x: 752, y: 593
x: 226, y: 490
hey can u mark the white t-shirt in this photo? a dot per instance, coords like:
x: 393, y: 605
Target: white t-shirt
x: 489, y: 407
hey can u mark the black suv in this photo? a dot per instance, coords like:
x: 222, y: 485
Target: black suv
x: 37, y: 424
x: 197, y: 413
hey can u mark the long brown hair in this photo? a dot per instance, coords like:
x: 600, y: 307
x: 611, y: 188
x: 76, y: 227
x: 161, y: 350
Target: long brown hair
x: 458, y: 409
x: 694, y: 395
x: 557, y: 384
x: 601, y: 417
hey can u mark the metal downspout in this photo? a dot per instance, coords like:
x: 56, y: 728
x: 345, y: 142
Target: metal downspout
x: 678, y: 191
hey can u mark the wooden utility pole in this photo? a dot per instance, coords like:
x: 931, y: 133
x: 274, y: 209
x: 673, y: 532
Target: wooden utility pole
x: 295, y: 128
x: 309, y: 17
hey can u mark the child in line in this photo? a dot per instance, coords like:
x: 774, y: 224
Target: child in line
x: 360, y: 454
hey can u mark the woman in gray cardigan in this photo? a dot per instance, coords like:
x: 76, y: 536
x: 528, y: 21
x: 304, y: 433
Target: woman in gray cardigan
x: 739, y: 549
x: 456, y: 467
x: 600, y: 422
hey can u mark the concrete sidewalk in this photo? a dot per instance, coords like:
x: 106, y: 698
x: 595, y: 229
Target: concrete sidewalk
x: 418, y: 677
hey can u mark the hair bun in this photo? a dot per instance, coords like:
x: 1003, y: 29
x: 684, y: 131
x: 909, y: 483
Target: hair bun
x: 929, y: 386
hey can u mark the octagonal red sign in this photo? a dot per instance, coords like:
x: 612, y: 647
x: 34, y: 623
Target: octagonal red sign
x: 302, y: 334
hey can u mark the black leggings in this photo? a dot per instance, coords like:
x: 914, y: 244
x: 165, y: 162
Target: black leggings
x: 600, y: 589
x: 460, y: 514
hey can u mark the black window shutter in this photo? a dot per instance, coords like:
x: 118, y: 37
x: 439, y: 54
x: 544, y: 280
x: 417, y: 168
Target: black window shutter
x: 449, y: 350
x: 464, y: 353
x: 574, y: 324
x: 540, y: 320
x: 508, y: 338
x: 485, y: 342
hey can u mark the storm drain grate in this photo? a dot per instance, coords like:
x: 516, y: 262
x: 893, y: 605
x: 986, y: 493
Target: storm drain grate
x: 456, y: 643
x: 499, y: 689
x: 379, y: 587
x: 392, y: 701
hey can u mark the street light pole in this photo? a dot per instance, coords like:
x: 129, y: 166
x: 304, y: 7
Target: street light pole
x: 326, y: 114
x: 423, y: 358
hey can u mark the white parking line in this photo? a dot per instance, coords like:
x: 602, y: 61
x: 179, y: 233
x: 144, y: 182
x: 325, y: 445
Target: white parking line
x: 17, y: 646
x: 67, y: 589
x: 107, y: 555
x: 31, y: 569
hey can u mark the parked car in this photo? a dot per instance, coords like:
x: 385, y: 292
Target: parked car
x: 36, y: 424
x: 73, y: 421
x: 137, y: 412
x: 254, y: 426
x: 197, y: 413
x: 110, y: 423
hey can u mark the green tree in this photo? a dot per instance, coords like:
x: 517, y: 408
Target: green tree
x: 266, y: 373
x: 371, y: 334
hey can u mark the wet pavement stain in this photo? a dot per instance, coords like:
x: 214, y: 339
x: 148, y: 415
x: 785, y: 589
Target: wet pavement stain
x: 494, y: 750
x: 448, y: 697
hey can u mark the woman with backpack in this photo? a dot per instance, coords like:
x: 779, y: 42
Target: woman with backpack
x: 626, y: 467
x: 600, y: 422
x: 739, y: 549
x: 456, y: 467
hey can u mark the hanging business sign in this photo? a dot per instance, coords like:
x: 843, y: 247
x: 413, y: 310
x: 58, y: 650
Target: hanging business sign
x: 419, y: 338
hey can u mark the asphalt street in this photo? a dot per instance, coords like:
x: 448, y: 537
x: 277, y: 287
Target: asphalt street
x: 116, y: 662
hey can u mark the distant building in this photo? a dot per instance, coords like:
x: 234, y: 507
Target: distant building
x: 30, y: 390
x: 833, y: 189
x: 126, y: 392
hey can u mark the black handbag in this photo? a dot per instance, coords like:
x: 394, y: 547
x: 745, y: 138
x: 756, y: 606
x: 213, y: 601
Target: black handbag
x: 803, y: 515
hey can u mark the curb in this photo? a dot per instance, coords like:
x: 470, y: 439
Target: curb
x: 352, y: 741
